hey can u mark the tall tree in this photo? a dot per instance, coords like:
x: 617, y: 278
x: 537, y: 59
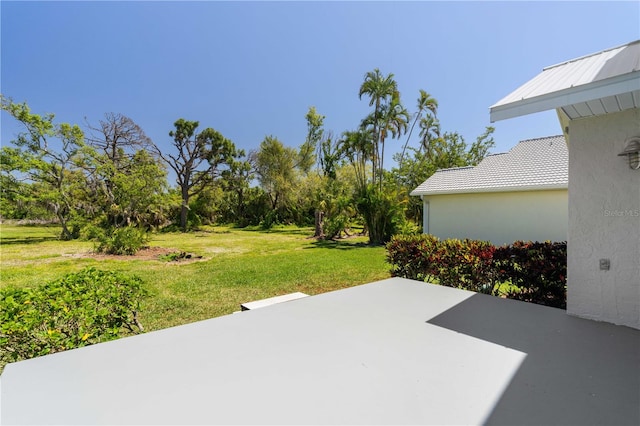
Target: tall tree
x: 237, y: 180
x: 394, y: 122
x: 127, y: 178
x: 357, y: 147
x: 309, y: 149
x: 426, y: 104
x: 199, y: 158
x: 381, y: 90
x: 118, y: 137
x: 275, y: 167
x: 48, y: 154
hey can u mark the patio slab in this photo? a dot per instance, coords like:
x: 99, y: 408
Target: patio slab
x: 392, y: 352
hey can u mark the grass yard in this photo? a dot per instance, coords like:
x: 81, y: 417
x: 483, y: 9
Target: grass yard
x: 237, y: 265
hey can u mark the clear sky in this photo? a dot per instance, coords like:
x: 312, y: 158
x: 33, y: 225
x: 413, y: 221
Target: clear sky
x: 252, y: 69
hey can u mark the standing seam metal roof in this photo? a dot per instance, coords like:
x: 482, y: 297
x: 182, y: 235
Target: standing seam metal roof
x: 600, y: 83
x: 533, y: 164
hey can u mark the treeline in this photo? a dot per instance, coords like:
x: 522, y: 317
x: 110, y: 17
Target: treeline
x: 110, y: 176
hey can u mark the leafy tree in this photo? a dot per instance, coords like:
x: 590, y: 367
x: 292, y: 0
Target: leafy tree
x: 128, y: 182
x: 47, y: 155
x: 314, y: 143
x: 275, y: 170
x: 236, y: 182
x: 337, y: 202
x: 436, y: 152
x: 198, y: 160
x: 309, y: 149
x: 139, y: 190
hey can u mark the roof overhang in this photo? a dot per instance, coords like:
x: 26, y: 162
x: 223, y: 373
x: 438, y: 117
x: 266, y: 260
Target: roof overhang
x: 597, y: 98
x: 596, y: 84
x: 527, y: 188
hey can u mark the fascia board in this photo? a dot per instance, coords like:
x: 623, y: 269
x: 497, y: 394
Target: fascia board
x: 526, y: 188
x: 600, y: 89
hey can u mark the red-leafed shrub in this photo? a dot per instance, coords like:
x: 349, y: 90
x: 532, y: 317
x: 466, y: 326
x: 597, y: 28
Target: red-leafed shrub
x: 411, y: 256
x: 462, y: 264
x: 539, y: 270
x: 535, y: 272
x: 465, y: 264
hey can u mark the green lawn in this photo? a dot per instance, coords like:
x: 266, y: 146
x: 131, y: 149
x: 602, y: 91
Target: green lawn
x: 238, y: 265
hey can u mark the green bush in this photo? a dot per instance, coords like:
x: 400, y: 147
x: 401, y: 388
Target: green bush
x: 536, y: 272
x: 122, y: 241
x: 77, y: 310
x: 382, y: 212
x: 411, y: 256
x: 465, y: 264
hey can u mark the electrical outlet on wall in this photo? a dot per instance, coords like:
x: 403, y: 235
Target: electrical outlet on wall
x: 605, y: 264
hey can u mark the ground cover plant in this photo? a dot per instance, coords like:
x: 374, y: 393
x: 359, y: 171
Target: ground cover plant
x: 79, y: 309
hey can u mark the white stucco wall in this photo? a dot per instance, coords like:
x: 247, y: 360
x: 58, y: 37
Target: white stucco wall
x: 499, y: 217
x: 604, y: 220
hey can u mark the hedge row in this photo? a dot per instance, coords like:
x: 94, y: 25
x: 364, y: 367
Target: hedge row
x: 77, y: 310
x: 529, y: 271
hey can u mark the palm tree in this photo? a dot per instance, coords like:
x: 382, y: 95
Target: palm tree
x: 381, y: 90
x: 395, y: 121
x: 357, y: 147
x: 429, y: 132
x: 425, y: 102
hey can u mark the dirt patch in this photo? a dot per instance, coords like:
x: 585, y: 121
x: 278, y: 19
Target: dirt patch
x: 147, y: 253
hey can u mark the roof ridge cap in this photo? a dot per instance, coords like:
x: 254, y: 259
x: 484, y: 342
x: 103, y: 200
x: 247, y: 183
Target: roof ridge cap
x: 542, y: 138
x: 454, y: 168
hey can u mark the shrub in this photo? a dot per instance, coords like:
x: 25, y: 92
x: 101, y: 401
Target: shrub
x: 382, y: 212
x: 465, y: 264
x: 122, y: 241
x: 411, y: 256
x: 539, y: 270
x: 270, y: 219
x: 535, y: 272
x: 77, y: 310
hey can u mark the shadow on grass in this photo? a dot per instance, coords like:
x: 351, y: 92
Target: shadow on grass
x: 27, y: 240
x: 340, y: 245
x: 305, y: 232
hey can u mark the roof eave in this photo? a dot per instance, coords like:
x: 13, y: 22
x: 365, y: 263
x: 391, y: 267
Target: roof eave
x: 599, y: 89
x: 527, y: 188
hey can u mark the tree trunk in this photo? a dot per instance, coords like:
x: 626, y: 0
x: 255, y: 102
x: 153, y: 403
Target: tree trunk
x: 319, y: 222
x: 184, y: 209
x: 65, y: 235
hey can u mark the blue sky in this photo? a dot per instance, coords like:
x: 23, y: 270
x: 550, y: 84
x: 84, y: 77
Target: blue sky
x: 252, y: 69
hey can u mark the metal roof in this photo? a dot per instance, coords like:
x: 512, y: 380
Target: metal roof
x: 533, y: 164
x: 596, y: 84
x: 392, y: 352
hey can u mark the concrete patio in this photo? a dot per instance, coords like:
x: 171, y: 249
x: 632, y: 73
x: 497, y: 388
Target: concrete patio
x: 391, y: 352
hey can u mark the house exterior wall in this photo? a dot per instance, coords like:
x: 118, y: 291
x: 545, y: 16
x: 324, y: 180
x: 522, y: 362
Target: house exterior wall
x: 499, y: 217
x: 604, y: 220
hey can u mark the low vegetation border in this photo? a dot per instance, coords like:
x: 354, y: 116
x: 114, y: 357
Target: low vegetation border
x: 529, y: 271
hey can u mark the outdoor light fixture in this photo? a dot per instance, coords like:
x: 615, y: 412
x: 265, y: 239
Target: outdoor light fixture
x: 632, y: 151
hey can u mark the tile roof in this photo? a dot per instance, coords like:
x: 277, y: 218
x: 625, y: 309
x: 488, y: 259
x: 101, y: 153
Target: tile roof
x: 596, y: 84
x: 532, y: 164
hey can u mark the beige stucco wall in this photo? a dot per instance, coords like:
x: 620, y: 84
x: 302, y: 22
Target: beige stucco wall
x: 500, y: 217
x: 604, y: 220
